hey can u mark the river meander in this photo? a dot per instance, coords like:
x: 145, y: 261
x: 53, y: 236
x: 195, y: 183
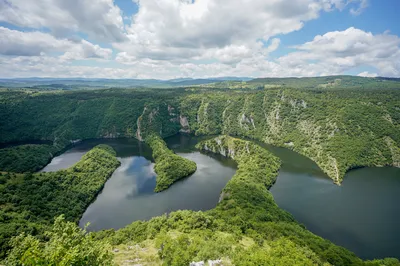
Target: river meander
x: 361, y: 215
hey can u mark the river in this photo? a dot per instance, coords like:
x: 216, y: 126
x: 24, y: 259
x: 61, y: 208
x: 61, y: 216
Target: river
x: 361, y: 215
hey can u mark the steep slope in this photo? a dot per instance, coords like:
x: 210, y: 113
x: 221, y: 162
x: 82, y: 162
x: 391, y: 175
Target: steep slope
x: 338, y: 130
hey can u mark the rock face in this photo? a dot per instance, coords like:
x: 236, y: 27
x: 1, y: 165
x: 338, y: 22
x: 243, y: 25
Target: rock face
x: 289, y: 144
x: 394, y: 150
x: 75, y: 141
x: 138, y: 123
x: 111, y: 135
x: 184, y: 124
x: 326, y: 128
x: 209, y: 263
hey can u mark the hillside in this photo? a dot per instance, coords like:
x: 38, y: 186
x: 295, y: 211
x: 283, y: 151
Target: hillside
x: 339, y: 129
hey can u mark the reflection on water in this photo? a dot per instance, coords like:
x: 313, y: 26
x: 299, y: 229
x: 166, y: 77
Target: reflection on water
x: 128, y: 195
x: 361, y: 215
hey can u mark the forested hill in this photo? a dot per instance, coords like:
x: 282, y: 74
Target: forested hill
x: 339, y: 82
x: 221, y: 82
x: 339, y: 129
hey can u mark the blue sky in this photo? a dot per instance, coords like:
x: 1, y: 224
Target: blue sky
x: 203, y: 38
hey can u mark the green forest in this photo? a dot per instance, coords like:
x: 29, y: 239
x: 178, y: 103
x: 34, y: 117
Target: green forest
x: 340, y: 128
x: 26, y: 158
x: 30, y: 202
x: 169, y: 166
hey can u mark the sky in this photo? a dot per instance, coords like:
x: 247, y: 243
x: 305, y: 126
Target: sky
x: 166, y: 39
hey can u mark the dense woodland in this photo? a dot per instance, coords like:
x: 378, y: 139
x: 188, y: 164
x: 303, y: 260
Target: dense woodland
x: 29, y: 202
x: 169, y: 167
x: 338, y: 128
x: 26, y: 158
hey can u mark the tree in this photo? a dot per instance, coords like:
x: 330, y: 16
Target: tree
x: 67, y: 245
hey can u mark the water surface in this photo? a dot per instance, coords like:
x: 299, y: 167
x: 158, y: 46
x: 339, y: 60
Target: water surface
x: 128, y: 195
x: 361, y: 215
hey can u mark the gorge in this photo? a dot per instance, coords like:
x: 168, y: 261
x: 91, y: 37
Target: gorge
x: 330, y: 127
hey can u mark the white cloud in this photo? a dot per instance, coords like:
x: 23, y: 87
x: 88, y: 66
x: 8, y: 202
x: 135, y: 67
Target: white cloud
x: 367, y: 74
x: 184, y: 30
x: 46, y: 66
x: 358, y: 10
x: 332, y: 53
x: 356, y: 6
x: 17, y: 43
x: 274, y: 45
x: 228, y: 31
x: 100, y: 19
x: 339, y: 51
x: 185, y: 38
x: 85, y: 49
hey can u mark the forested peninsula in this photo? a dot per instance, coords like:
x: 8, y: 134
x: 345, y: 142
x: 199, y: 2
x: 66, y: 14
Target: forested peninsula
x: 29, y: 202
x: 169, y: 166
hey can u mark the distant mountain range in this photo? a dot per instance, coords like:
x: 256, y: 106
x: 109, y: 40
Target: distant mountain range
x: 221, y: 82
x: 72, y: 83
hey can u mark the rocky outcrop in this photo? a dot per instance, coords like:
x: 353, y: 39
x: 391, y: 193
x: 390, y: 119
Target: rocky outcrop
x: 185, y: 127
x: 75, y: 141
x: 256, y: 165
x: 139, y: 127
x: 394, y: 150
x: 209, y: 263
x: 245, y: 121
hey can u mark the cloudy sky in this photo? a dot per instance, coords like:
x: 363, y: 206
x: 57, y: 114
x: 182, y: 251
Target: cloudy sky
x: 166, y: 39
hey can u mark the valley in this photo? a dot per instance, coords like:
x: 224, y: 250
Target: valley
x: 338, y: 129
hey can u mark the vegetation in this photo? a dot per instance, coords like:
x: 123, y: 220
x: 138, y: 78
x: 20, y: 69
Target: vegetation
x: 339, y: 122
x: 67, y: 245
x: 338, y: 128
x: 26, y: 158
x: 347, y: 82
x: 246, y: 227
x: 29, y: 202
x: 169, y: 166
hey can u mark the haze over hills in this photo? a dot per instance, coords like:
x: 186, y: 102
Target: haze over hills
x: 244, y: 82
x: 71, y: 83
